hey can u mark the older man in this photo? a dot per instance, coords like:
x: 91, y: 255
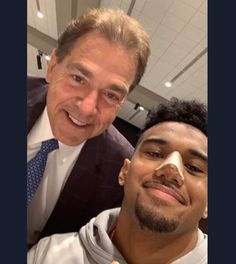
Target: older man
x: 74, y: 153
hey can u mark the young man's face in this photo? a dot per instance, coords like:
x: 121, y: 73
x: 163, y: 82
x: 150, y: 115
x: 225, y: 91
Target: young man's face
x: 166, y: 181
x: 87, y: 88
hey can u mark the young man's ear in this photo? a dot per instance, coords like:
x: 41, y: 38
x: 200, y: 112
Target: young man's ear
x: 205, y: 213
x: 123, y: 172
x: 51, y: 65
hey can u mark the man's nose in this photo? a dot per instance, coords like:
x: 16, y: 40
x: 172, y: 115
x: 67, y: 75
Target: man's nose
x: 172, y: 168
x: 88, y: 103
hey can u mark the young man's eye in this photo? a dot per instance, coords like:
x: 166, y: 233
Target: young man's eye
x: 192, y: 168
x: 154, y: 154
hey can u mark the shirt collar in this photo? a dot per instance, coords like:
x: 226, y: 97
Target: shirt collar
x: 42, y: 131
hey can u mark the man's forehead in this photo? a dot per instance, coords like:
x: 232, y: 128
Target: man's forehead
x: 173, y: 129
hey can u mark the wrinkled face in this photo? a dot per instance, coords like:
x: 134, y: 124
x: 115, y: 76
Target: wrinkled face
x: 87, y: 88
x: 166, y: 181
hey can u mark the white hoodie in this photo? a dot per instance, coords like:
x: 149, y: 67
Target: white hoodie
x: 92, y: 245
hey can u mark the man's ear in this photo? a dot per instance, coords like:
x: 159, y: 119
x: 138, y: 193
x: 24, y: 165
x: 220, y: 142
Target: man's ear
x: 51, y: 65
x: 205, y: 213
x: 123, y: 172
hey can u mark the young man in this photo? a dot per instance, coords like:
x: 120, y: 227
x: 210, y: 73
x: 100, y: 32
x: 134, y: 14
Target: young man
x: 99, y: 59
x: 165, y: 186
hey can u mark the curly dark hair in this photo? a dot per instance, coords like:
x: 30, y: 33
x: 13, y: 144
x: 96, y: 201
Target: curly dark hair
x: 191, y: 112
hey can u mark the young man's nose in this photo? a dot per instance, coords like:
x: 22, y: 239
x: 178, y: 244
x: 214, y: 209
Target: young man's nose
x: 172, y: 168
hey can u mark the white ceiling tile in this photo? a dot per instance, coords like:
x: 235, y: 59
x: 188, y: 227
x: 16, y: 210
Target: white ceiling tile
x: 193, y: 3
x: 105, y: 3
x: 158, y: 44
x: 156, y: 52
x: 176, y: 51
x: 181, y: 10
x: 185, y: 43
x: 151, y: 62
x: 203, y: 42
x: 139, y: 4
x: 165, y: 33
x: 147, y: 83
x: 203, y: 7
x: 174, y: 61
x: 148, y: 24
x: 125, y: 4
x: 186, y: 61
x: 135, y: 14
x: 115, y: 3
x: 199, y: 20
x: 165, y: 5
x: 199, y: 78
x: 173, y: 22
x: 196, y: 94
x: 189, y: 83
x: 181, y: 79
x: 156, y: 74
x: 150, y: 10
x: 193, y: 33
x: 204, y: 88
x: 162, y: 67
x: 171, y: 74
x: 174, y: 55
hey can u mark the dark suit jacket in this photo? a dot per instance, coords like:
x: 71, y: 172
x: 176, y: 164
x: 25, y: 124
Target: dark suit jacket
x: 93, y: 183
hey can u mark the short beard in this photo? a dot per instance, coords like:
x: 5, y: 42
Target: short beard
x: 150, y: 218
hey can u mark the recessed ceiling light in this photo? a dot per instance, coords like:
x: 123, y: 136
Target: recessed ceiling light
x: 141, y: 108
x: 168, y: 84
x: 39, y: 14
x: 47, y: 57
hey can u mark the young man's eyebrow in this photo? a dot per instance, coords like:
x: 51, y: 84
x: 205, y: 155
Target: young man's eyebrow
x: 155, y: 140
x: 161, y: 141
x: 199, y: 154
x: 80, y: 67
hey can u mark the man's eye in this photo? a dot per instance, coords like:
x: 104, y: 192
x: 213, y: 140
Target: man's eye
x: 77, y: 78
x: 112, y: 96
x: 154, y: 154
x: 193, y: 168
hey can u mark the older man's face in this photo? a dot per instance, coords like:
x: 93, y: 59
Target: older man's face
x: 88, y: 87
x: 166, y: 181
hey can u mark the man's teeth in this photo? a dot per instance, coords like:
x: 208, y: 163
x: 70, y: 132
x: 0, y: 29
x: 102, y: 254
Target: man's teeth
x: 78, y: 123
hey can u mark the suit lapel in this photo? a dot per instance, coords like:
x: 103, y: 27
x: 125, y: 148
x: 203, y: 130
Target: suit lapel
x: 36, y: 101
x: 77, y: 191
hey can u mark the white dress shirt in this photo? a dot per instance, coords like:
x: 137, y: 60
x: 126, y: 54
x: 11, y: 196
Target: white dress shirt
x: 59, y: 165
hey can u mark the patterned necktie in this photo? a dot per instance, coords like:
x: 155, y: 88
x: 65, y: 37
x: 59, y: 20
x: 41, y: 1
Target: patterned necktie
x: 36, y: 166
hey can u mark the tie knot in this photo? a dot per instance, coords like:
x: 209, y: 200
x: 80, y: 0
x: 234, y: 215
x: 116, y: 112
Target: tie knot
x: 49, y: 145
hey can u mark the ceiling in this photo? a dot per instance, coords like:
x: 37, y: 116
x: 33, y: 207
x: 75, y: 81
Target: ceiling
x: 178, y: 34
